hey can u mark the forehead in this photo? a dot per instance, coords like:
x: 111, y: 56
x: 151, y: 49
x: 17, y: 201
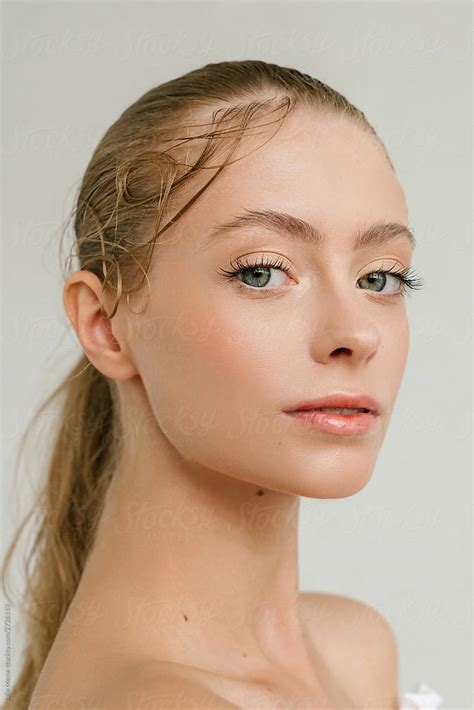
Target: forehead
x: 324, y: 169
x: 325, y: 162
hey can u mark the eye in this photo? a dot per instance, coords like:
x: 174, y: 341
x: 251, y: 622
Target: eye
x: 256, y: 275
x: 398, y: 280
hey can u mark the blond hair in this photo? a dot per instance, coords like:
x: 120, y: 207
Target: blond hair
x: 137, y: 172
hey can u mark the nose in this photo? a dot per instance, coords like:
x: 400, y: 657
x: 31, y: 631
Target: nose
x: 346, y: 332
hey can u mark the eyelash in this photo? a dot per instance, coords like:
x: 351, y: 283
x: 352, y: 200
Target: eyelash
x: 408, y: 278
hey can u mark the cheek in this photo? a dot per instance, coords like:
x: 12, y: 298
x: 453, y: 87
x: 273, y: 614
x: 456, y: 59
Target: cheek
x: 200, y: 361
x: 209, y: 385
x: 226, y: 354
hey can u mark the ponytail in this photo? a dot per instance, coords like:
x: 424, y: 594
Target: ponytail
x: 68, y: 509
x: 146, y: 160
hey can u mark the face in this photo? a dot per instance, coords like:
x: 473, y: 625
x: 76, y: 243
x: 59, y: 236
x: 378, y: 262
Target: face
x: 221, y: 358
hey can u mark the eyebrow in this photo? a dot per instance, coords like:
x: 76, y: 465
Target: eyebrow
x: 295, y: 228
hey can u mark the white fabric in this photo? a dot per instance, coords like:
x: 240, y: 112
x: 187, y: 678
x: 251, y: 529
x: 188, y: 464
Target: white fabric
x: 424, y: 698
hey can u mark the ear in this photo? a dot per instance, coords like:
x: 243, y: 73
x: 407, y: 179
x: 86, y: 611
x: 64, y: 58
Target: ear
x: 99, y: 337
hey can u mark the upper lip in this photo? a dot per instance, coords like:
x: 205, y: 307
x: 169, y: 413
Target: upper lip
x: 351, y: 400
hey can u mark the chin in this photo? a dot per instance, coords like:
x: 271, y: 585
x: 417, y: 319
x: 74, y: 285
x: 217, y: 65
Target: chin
x: 339, y: 479
x: 337, y: 488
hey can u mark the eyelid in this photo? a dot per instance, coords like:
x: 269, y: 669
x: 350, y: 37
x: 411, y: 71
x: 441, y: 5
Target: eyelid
x: 261, y: 255
x: 381, y: 263
x: 271, y: 260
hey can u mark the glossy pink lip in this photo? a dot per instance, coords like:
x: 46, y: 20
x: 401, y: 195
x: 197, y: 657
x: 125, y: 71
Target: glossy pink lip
x: 333, y: 423
x: 339, y: 399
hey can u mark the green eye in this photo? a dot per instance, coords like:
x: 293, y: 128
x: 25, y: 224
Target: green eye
x: 255, y: 275
x: 377, y: 280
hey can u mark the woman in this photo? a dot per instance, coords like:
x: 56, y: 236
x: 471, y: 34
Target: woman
x: 252, y: 358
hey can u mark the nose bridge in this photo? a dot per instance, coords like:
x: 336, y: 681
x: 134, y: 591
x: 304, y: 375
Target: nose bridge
x: 346, y: 326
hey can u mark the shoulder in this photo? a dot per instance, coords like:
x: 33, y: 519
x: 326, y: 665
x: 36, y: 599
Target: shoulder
x: 159, y: 685
x: 359, y: 644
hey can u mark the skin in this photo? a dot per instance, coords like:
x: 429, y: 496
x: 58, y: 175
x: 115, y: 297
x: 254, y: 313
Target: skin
x: 201, y: 518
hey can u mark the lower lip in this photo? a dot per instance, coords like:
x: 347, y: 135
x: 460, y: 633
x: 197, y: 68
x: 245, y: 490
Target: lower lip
x: 357, y: 423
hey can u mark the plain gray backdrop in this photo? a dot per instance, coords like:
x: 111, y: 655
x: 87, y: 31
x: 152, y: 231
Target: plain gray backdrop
x: 402, y: 544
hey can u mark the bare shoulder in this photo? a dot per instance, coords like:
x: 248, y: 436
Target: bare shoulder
x: 358, y: 643
x: 159, y: 685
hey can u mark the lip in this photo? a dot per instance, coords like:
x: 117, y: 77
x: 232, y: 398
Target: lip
x: 334, y: 423
x: 351, y: 400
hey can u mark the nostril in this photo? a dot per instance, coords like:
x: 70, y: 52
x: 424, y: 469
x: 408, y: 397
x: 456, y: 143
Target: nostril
x: 338, y: 350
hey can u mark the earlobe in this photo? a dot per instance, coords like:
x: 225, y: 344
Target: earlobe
x: 82, y: 298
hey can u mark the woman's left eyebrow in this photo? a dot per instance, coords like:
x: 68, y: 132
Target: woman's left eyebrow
x: 292, y: 227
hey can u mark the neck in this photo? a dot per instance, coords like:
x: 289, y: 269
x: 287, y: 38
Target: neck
x: 200, y: 568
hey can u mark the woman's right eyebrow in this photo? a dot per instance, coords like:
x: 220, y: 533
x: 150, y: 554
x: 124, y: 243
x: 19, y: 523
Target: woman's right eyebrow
x: 292, y: 227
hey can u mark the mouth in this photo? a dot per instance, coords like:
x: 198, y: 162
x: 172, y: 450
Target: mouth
x: 339, y: 413
x: 336, y: 420
x: 345, y: 411
x: 342, y: 404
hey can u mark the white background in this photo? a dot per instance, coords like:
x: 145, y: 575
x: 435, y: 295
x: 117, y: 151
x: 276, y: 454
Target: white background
x: 402, y: 544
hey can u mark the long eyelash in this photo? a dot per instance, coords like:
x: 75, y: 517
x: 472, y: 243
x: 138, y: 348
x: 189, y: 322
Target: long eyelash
x: 263, y: 263
x: 407, y: 276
